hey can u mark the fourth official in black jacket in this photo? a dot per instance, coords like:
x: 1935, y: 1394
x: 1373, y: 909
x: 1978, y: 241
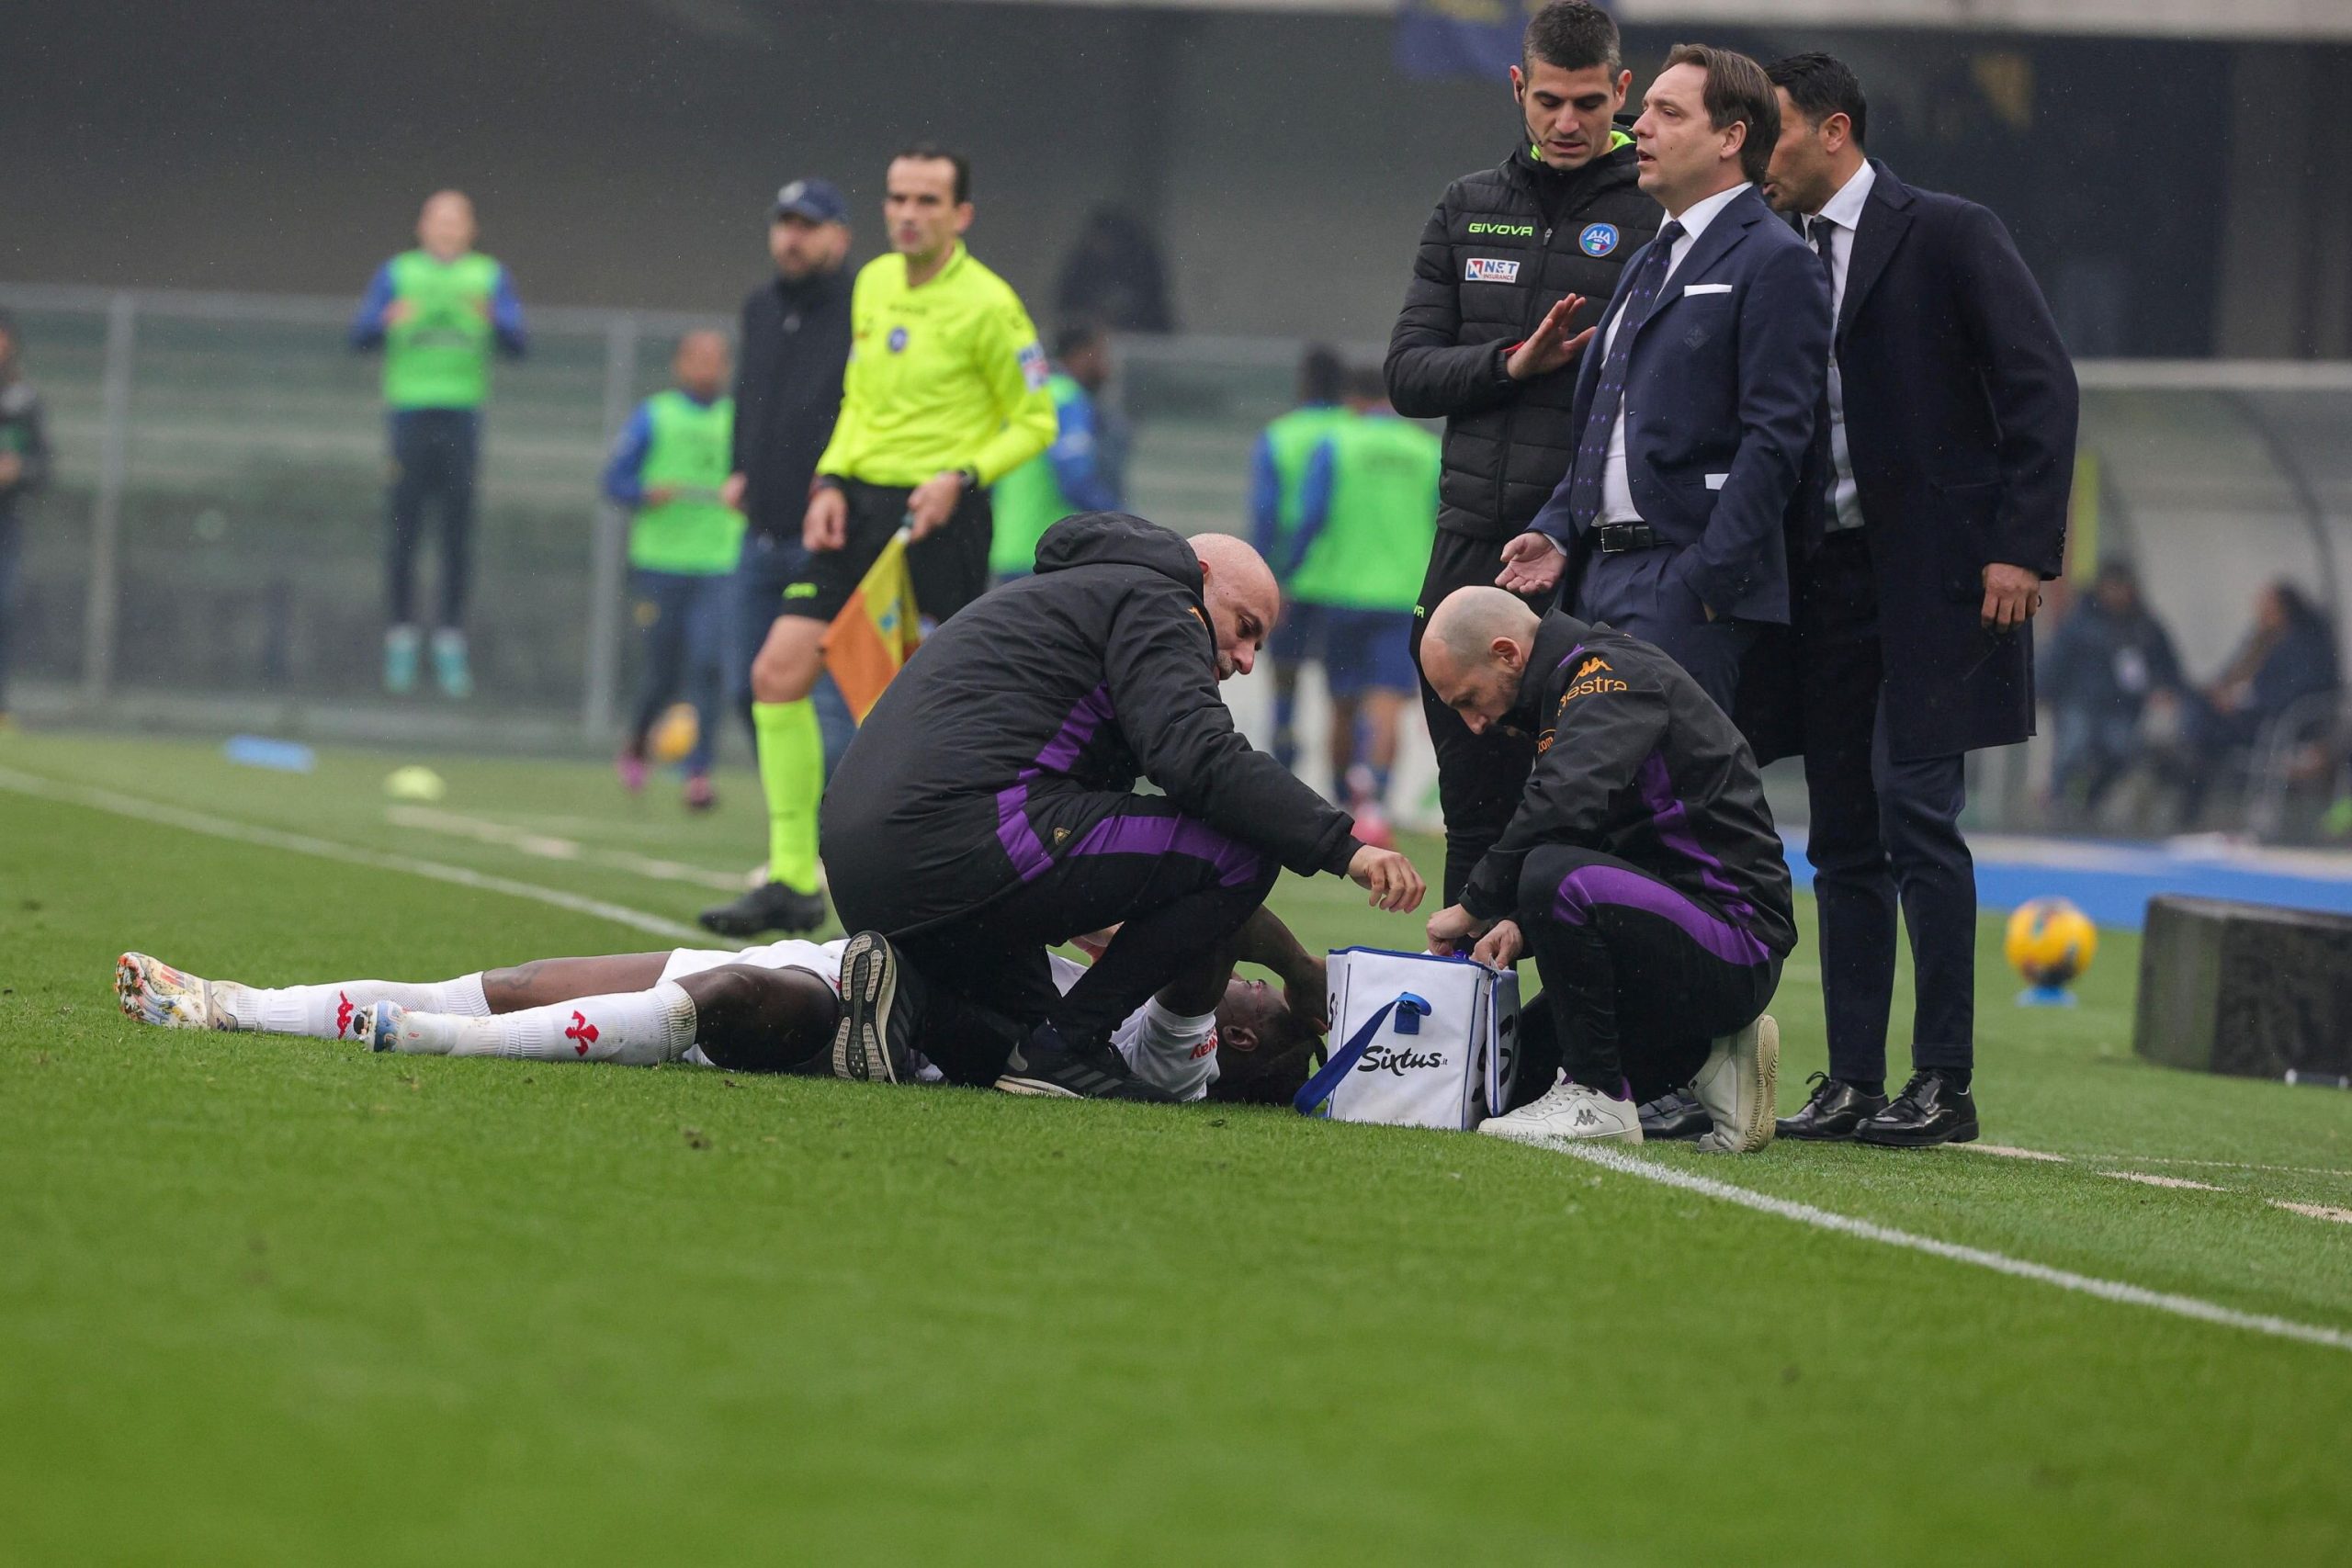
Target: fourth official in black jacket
x: 1954, y: 433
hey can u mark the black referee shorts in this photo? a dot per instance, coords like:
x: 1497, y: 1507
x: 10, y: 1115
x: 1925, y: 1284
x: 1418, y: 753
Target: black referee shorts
x: 950, y: 568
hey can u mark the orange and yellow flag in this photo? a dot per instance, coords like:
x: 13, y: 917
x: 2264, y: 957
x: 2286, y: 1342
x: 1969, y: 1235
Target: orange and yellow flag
x: 876, y: 632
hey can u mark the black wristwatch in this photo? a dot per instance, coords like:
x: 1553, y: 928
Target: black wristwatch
x: 971, y: 478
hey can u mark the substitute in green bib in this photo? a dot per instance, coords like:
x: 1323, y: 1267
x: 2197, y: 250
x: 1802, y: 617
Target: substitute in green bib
x: 1276, y: 470
x: 671, y: 468
x: 945, y: 395
x: 438, y: 313
x: 1367, y: 518
x: 1079, y: 472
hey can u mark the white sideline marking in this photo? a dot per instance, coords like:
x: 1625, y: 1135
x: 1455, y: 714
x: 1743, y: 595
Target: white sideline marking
x: 547, y: 846
x: 2146, y: 1179
x: 1999, y: 1263
x: 303, y: 844
x: 2228, y: 1165
x: 2006, y: 1152
x: 2316, y: 1211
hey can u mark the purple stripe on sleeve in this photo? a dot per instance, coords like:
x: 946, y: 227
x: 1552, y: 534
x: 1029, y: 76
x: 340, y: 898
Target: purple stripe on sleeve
x: 1235, y: 863
x: 1079, y: 728
x: 1590, y: 884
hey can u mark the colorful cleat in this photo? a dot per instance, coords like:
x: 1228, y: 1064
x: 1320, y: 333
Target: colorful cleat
x: 379, y: 1024
x: 151, y: 991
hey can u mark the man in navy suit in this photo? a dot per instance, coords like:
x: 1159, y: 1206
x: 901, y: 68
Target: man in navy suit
x: 1952, y: 414
x: 1696, y: 409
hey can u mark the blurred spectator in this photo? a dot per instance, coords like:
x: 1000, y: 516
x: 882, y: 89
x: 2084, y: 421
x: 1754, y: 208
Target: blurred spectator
x: 2110, y: 659
x: 1367, y: 520
x: 1081, y: 471
x: 1113, y: 276
x: 23, y: 468
x: 435, y: 311
x: 672, y: 468
x: 2286, y: 660
x: 1277, y: 468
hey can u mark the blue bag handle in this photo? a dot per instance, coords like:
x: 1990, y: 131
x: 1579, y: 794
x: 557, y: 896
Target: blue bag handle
x: 1343, y: 1061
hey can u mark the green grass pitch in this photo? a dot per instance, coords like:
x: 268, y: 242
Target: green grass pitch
x: 275, y: 1301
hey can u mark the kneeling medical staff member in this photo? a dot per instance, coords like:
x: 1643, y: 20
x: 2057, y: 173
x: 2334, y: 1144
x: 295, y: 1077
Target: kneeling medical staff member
x: 1641, y: 868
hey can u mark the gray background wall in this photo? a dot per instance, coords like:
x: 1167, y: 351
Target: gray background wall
x: 622, y: 151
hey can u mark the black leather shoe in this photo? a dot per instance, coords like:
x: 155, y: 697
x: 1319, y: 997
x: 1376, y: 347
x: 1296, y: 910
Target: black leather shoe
x: 771, y: 906
x: 1928, y: 1111
x: 1673, y: 1117
x: 1835, y: 1109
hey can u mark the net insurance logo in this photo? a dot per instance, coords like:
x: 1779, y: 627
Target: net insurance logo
x: 1598, y: 240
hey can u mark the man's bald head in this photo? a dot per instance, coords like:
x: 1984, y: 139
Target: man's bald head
x: 1239, y: 589
x: 1475, y: 653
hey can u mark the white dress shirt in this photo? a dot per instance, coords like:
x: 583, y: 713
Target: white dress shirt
x: 1616, y: 493
x: 1843, y: 214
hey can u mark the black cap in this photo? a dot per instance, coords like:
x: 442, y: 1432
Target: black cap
x: 816, y: 200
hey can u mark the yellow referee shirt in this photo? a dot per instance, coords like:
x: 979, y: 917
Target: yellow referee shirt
x: 947, y: 376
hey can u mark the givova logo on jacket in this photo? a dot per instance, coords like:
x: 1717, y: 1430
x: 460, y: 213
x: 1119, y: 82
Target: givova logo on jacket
x: 1490, y: 269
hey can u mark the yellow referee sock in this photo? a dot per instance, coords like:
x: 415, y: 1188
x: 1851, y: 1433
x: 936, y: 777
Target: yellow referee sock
x: 792, y: 775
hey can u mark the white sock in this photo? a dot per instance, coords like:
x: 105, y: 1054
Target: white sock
x: 327, y: 1013
x: 639, y: 1028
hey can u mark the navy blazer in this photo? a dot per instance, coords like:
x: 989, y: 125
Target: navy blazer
x: 1722, y: 391
x: 1960, y: 413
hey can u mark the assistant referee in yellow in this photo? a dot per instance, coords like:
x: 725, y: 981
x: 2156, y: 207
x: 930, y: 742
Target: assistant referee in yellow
x: 945, y: 392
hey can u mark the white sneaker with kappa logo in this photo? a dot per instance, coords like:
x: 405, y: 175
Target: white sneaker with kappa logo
x: 1570, y: 1113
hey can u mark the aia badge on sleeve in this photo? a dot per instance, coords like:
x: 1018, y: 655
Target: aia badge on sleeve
x: 1490, y: 269
x: 898, y: 340
x: 1598, y: 240
x: 1035, y: 370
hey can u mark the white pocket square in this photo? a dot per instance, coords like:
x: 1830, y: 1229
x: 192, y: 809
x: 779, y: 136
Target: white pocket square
x: 1716, y: 482
x: 1691, y: 289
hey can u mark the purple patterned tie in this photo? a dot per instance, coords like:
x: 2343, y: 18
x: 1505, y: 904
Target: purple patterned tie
x: 1592, y: 452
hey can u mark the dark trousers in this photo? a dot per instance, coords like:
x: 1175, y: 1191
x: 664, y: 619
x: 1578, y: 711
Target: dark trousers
x: 766, y: 568
x: 1638, y: 977
x: 1883, y: 832
x: 433, y: 469
x: 1641, y: 592
x: 1479, y: 777
x: 687, y: 621
x: 12, y: 547
x: 1175, y: 887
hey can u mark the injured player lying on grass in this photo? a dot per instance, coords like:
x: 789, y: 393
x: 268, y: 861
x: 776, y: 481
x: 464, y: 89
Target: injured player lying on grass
x: 772, y: 1008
